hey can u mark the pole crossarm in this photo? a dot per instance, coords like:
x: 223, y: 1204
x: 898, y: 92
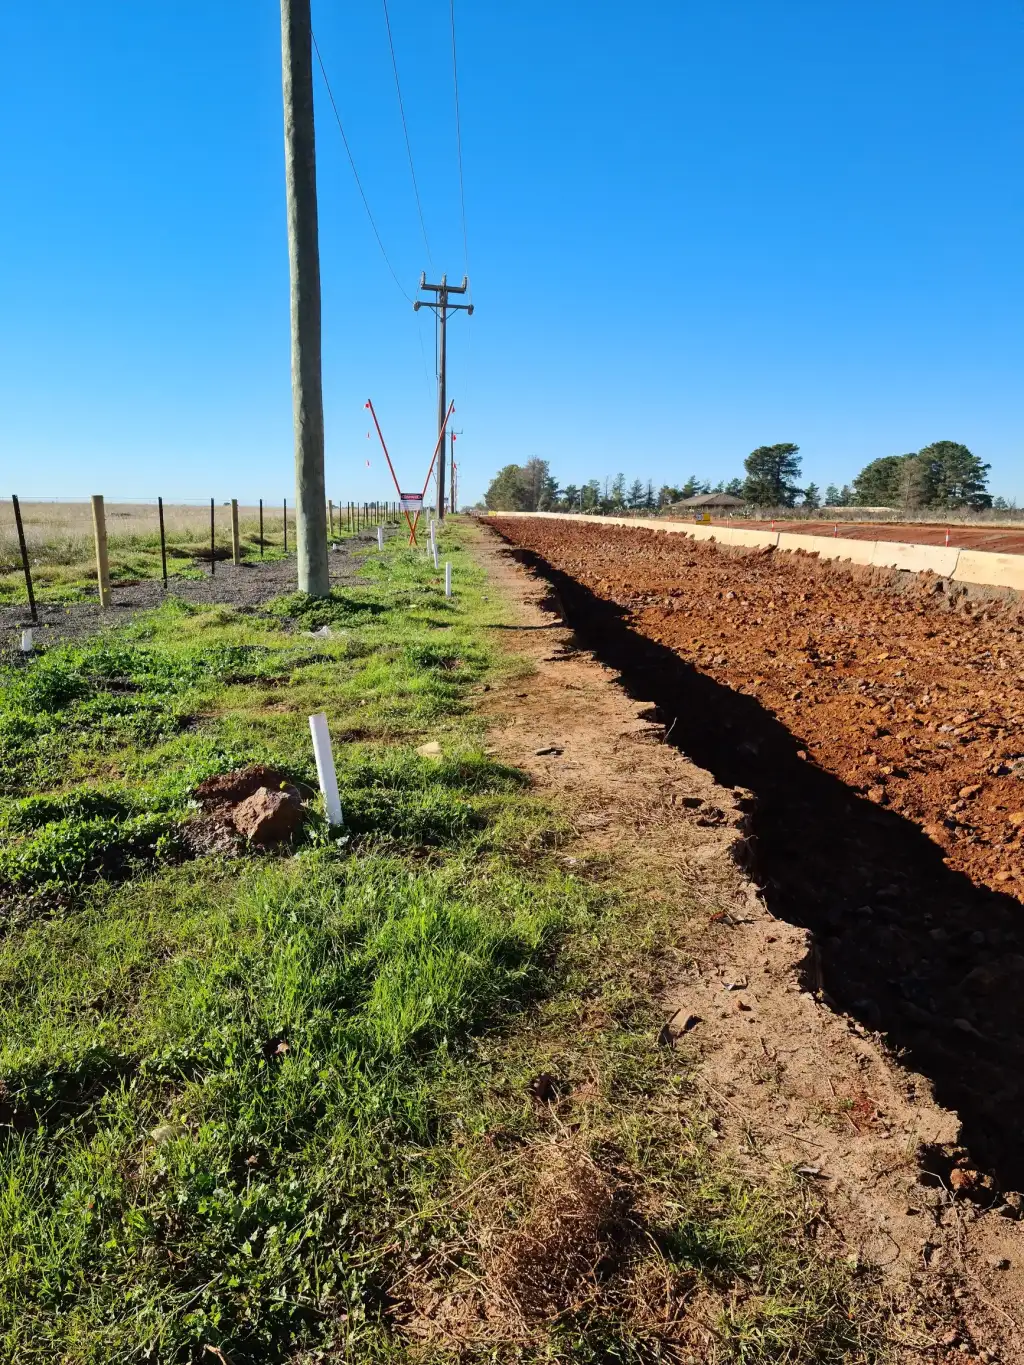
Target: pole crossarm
x: 442, y: 305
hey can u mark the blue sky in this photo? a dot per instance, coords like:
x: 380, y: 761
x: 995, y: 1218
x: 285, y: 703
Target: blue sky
x: 694, y: 227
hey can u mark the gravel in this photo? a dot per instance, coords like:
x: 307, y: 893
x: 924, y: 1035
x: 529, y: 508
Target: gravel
x: 247, y: 585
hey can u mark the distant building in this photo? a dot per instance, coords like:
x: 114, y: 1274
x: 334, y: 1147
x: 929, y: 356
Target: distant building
x: 708, y: 501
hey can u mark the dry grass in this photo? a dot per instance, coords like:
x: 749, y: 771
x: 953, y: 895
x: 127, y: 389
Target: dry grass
x: 59, y: 537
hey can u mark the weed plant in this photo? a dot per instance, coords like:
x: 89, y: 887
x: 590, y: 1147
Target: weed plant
x: 258, y: 1109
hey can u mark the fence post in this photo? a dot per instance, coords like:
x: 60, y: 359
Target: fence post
x: 213, y: 541
x: 330, y: 516
x: 236, y: 543
x: 286, y: 525
x: 24, y: 559
x: 261, y: 528
x: 163, y: 541
x: 99, y: 527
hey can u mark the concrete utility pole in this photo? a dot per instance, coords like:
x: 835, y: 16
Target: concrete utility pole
x: 442, y: 308
x: 304, y: 265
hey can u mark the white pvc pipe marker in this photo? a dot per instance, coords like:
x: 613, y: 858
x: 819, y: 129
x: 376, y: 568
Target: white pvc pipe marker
x: 325, y: 769
x: 380, y: 538
x: 447, y: 579
x: 26, y: 641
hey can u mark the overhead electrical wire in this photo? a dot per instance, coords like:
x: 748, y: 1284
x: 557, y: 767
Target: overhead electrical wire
x: 458, y: 136
x: 355, y: 173
x: 405, y: 130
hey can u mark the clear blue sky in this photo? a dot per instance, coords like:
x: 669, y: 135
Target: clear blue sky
x: 694, y: 226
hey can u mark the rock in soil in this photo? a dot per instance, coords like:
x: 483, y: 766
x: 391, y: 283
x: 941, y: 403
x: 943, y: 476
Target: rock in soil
x: 268, y: 817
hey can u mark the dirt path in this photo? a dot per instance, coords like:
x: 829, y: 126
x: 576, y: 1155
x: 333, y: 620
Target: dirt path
x: 796, y: 1082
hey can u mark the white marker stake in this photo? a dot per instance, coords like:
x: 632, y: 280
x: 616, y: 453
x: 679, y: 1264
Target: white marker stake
x: 447, y: 579
x: 380, y: 538
x: 325, y: 770
x: 26, y: 642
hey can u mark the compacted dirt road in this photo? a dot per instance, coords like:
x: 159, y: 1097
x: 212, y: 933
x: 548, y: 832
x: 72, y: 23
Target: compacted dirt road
x: 875, y: 720
x: 1003, y: 539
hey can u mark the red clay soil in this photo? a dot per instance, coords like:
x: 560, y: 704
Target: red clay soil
x: 1004, y: 540
x: 873, y: 721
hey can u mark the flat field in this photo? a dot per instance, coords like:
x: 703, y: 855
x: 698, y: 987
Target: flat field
x: 876, y: 721
x: 59, y: 538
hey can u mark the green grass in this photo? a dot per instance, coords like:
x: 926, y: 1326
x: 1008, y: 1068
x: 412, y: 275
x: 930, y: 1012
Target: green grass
x: 262, y: 1105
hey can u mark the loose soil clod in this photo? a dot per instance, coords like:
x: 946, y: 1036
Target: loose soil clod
x: 257, y: 802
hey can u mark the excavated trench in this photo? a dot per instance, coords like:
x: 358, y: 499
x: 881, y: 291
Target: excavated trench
x: 886, y: 829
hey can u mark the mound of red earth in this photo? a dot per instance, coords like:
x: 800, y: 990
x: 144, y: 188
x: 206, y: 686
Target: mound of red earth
x: 874, y: 723
x: 257, y: 802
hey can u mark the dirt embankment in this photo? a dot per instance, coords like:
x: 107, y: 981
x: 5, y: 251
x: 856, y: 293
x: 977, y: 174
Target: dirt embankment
x: 793, y: 1083
x: 877, y: 722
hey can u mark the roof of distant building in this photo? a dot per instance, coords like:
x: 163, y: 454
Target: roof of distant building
x: 712, y: 500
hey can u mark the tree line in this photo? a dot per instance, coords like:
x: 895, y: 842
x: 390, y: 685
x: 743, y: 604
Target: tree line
x: 943, y: 475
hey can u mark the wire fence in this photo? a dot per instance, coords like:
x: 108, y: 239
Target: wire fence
x: 63, y: 548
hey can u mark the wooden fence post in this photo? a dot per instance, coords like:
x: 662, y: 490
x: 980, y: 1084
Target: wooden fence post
x: 236, y: 543
x: 163, y: 540
x: 286, y: 525
x: 24, y: 559
x: 261, y: 528
x: 99, y: 527
x: 213, y: 541
x: 330, y: 516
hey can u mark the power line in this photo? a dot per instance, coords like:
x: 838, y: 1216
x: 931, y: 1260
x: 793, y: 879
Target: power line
x: 458, y: 136
x: 405, y: 130
x: 355, y: 173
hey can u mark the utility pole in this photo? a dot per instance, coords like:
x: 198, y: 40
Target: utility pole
x: 304, y: 268
x: 453, y: 493
x: 442, y: 308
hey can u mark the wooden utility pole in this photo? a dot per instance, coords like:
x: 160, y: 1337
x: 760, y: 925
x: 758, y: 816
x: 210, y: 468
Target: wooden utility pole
x: 442, y: 308
x: 304, y: 266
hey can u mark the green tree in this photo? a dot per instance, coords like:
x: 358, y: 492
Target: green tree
x: 734, y: 488
x: 693, y: 486
x: 635, y: 496
x: 667, y: 494
x: 507, y: 492
x: 832, y: 496
x: 915, y: 483
x: 955, y: 477
x: 571, y: 496
x: 878, y: 483
x: 770, y: 474
x: 812, y: 497
x: 537, y: 483
x: 649, y: 501
x: 591, y: 494
x: 618, y: 495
